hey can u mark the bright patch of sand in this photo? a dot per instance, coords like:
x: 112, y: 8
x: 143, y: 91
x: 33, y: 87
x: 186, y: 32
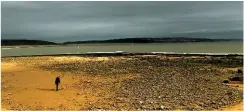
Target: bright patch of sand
x: 32, y: 88
x: 73, y: 59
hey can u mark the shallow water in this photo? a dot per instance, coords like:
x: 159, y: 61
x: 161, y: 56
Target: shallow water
x: 197, y: 47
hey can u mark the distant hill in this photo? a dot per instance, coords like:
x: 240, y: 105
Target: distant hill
x: 25, y: 42
x: 9, y: 42
x: 152, y: 40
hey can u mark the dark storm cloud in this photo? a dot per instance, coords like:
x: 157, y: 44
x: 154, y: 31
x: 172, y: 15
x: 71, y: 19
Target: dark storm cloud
x: 69, y: 21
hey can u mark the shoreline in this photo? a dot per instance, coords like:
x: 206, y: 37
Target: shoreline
x: 121, y: 53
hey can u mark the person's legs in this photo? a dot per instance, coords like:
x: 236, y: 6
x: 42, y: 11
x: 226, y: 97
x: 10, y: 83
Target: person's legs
x: 56, y: 87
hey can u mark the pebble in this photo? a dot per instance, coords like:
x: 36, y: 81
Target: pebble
x: 213, y: 102
x: 162, y: 107
x: 140, y: 102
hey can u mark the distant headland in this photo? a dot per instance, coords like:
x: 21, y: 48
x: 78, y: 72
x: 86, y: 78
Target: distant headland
x: 10, y: 42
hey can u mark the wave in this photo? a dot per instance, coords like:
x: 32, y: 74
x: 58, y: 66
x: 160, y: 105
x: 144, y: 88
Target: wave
x: 197, y: 53
x: 105, y: 52
x: 177, y: 53
x: 6, y: 48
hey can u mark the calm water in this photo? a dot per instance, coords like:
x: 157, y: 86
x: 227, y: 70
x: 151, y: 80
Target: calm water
x: 198, y: 47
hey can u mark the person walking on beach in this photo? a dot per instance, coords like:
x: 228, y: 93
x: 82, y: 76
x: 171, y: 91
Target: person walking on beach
x: 57, y: 81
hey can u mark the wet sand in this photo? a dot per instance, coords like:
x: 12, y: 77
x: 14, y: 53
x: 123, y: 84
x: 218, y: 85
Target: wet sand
x: 27, y: 85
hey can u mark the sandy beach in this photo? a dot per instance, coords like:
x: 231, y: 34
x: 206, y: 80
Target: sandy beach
x: 121, y: 82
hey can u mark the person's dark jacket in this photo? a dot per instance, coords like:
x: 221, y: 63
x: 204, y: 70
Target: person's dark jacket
x: 57, y: 80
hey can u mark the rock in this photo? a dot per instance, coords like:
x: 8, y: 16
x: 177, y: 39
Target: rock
x: 229, y: 93
x: 9, y: 93
x: 143, y: 107
x: 239, y: 71
x: 226, y: 81
x: 162, y: 107
x: 236, y: 78
x: 140, y: 102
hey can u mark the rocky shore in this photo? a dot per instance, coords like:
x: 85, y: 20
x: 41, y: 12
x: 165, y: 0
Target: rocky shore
x: 149, y: 82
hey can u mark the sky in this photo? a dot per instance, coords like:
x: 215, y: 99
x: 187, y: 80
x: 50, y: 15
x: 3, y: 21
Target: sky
x: 61, y: 21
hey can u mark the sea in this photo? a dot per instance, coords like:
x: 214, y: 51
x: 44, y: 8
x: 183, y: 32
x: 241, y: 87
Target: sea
x: 227, y: 47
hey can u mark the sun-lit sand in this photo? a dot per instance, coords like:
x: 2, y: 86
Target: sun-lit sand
x: 28, y: 86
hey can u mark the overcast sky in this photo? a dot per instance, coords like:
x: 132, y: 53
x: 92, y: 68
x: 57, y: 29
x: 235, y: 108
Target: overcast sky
x: 80, y: 20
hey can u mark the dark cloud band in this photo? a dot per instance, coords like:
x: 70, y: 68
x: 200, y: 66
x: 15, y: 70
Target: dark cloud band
x: 80, y: 20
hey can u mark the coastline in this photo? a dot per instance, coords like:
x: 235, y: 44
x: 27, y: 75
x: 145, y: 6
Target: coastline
x: 121, y: 53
